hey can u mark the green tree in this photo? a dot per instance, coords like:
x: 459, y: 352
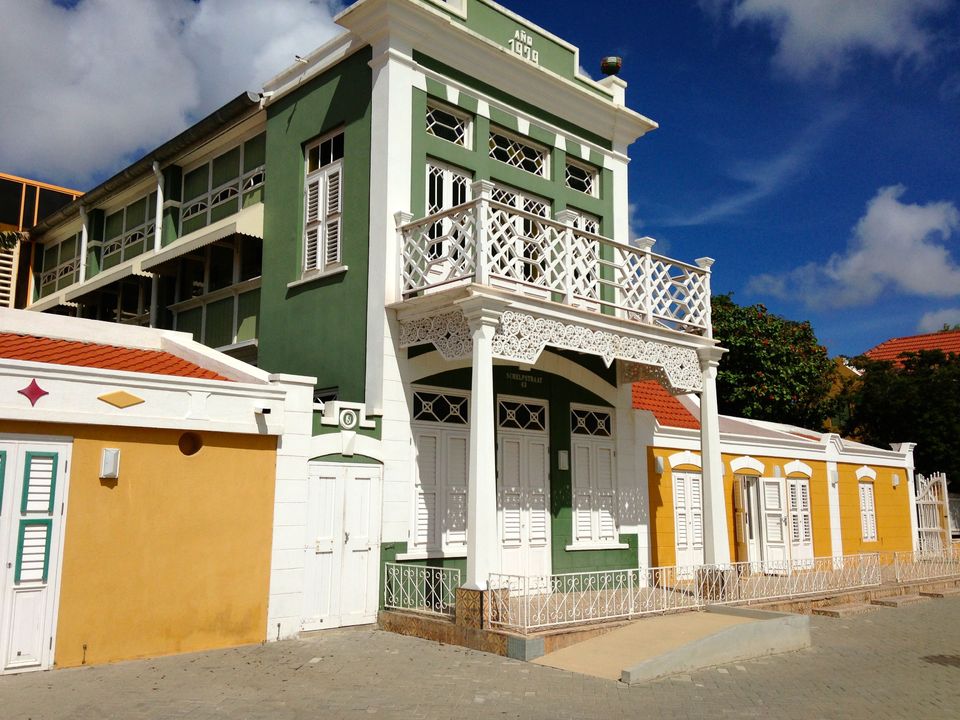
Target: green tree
x: 775, y: 369
x: 914, y: 400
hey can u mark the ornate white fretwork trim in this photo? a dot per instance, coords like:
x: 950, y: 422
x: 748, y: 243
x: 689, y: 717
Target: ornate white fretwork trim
x: 449, y: 333
x: 522, y: 338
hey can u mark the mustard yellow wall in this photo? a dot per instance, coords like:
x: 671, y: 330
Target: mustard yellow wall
x: 662, y: 524
x: 172, y: 557
x: 892, y: 507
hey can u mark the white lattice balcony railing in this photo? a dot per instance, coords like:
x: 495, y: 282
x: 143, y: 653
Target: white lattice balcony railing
x: 420, y: 589
x: 497, y: 245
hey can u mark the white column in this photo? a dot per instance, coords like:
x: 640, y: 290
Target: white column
x: 482, y: 536
x: 833, y: 500
x: 84, y: 242
x: 716, y: 541
x: 907, y: 449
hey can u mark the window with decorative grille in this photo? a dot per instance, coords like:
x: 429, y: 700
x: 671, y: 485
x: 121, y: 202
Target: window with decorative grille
x: 518, y: 153
x: 448, y: 124
x: 581, y: 178
x: 323, y: 204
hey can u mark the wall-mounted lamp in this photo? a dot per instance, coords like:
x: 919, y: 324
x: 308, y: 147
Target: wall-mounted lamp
x: 834, y: 478
x: 659, y: 465
x: 110, y: 464
x: 896, y: 480
x: 563, y: 459
x: 777, y: 472
x: 261, y: 410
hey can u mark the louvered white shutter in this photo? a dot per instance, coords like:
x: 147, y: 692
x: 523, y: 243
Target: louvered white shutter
x: 696, y: 510
x: 332, y: 215
x: 425, y: 517
x: 680, y: 509
x: 454, y: 533
x: 868, y: 515
x: 311, y: 232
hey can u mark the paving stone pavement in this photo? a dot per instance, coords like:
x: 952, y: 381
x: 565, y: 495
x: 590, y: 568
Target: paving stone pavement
x: 893, y: 663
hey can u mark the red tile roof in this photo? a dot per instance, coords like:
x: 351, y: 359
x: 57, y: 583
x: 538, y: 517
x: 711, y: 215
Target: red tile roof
x: 948, y: 341
x: 669, y: 412
x: 106, y: 357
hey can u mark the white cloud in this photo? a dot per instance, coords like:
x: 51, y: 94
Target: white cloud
x: 764, y: 178
x: 118, y: 77
x: 936, y: 320
x: 894, y: 248
x: 817, y: 35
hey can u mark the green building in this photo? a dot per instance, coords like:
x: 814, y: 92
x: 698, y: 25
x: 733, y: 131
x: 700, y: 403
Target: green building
x: 429, y: 214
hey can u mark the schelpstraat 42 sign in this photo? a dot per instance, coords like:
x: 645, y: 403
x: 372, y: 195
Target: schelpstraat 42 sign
x: 522, y: 44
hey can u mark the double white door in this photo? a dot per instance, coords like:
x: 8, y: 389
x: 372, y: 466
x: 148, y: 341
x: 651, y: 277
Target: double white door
x: 774, y: 522
x: 523, y: 502
x: 33, y: 477
x: 343, y: 555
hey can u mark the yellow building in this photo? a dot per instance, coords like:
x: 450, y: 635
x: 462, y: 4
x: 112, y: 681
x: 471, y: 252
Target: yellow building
x: 790, y: 494
x: 137, y: 492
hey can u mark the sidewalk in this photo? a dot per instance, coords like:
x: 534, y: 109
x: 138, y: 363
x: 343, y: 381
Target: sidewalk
x: 892, y: 663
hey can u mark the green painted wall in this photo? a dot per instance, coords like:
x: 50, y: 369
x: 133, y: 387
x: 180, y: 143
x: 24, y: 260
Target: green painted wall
x: 560, y: 393
x: 506, y: 98
x: 483, y: 167
x: 318, y: 328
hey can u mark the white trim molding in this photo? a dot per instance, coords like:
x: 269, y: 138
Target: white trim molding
x: 748, y: 463
x: 797, y: 468
x: 684, y: 458
x: 866, y: 472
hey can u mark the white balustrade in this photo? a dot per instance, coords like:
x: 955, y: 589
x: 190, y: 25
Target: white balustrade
x: 493, y: 244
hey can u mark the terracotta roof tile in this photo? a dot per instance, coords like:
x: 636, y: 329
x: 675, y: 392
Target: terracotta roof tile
x: 669, y: 412
x: 948, y: 341
x: 105, y: 357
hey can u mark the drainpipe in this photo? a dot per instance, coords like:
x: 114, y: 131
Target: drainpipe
x: 84, y: 239
x: 157, y: 244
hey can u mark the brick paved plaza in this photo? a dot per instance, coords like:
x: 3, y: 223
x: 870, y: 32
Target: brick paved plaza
x: 892, y: 663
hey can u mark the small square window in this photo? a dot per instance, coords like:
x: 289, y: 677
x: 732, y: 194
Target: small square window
x: 448, y: 124
x: 581, y: 178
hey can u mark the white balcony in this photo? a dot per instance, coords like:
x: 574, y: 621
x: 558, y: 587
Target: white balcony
x: 496, y: 245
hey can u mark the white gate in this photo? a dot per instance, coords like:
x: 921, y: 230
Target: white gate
x: 933, y: 519
x: 343, y: 556
x: 33, y: 477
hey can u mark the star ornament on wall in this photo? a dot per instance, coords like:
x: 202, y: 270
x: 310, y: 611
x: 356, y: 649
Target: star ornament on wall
x: 33, y: 392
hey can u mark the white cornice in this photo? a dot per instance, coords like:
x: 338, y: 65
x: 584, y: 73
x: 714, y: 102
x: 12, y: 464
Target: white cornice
x: 314, y: 64
x: 407, y: 22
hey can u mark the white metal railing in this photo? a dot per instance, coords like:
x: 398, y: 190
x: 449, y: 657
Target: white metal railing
x: 420, y: 589
x: 495, y: 244
x: 547, y: 601
x: 904, y: 567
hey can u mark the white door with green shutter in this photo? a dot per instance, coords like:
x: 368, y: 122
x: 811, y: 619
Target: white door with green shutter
x: 33, y: 479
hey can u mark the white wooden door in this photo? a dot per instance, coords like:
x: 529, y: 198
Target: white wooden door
x: 801, y: 529
x: 688, y: 518
x: 33, y: 475
x: 523, y: 491
x: 776, y: 553
x: 342, y: 559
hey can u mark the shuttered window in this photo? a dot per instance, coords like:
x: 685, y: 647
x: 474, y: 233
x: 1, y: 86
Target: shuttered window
x: 800, y: 522
x: 868, y: 512
x: 442, y: 440
x: 594, y: 476
x: 36, y: 526
x: 323, y: 204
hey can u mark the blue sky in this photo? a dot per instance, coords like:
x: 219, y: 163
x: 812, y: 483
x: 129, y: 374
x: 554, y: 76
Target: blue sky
x: 812, y: 147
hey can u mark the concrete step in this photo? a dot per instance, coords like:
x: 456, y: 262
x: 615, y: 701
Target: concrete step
x: 843, y: 610
x: 896, y: 601
x: 945, y: 593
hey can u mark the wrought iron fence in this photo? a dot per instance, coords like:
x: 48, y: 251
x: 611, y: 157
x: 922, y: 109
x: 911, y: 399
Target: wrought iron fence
x: 420, y: 589
x: 918, y: 566
x: 546, y: 601
x: 495, y: 244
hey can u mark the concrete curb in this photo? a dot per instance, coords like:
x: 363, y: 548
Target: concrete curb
x: 771, y: 634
